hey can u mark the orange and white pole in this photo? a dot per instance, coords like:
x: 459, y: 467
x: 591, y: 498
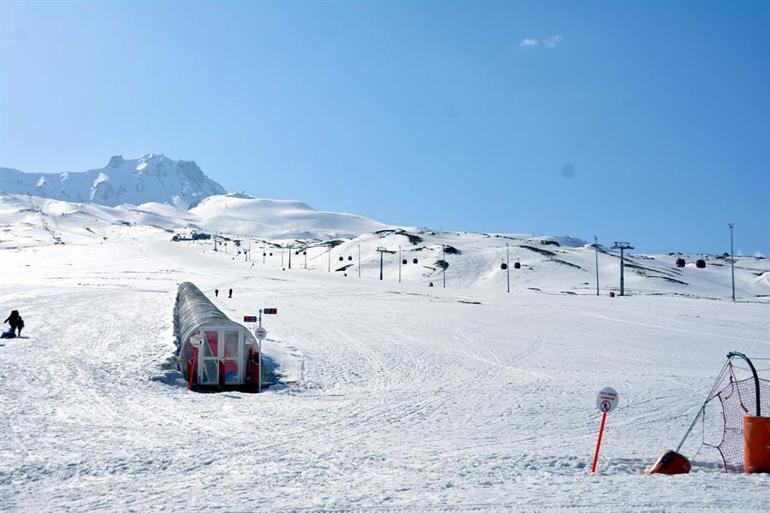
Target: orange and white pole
x: 599, y: 442
x: 606, y: 401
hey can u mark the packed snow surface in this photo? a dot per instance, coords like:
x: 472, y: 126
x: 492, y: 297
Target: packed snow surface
x: 390, y: 396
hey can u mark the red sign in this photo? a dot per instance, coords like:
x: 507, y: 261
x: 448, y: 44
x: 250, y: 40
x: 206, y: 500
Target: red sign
x: 250, y: 318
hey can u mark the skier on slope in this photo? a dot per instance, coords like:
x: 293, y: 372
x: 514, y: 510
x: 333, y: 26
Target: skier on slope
x: 16, y: 322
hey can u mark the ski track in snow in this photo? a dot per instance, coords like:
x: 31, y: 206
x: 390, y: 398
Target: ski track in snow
x: 405, y: 402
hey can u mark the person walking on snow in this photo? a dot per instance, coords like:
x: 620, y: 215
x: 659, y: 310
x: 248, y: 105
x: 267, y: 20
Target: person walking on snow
x: 230, y: 294
x: 216, y: 292
x: 16, y: 322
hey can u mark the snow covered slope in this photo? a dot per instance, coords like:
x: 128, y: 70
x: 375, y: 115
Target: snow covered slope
x: 152, y: 178
x: 394, y: 397
x: 560, y: 265
x: 31, y: 220
x: 243, y: 215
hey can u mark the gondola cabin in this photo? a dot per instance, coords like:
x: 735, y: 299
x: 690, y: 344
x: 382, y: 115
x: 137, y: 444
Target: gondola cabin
x: 214, y: 352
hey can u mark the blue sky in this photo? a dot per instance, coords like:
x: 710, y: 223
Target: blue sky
x: 647, y: 122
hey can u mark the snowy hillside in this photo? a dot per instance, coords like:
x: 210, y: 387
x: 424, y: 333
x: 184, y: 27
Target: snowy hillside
x: 542, y: 264
x: 244, y: 215
x: 152, y: 178
x: 326, y: 241
x: 31, y: 220
x: 390, y: 397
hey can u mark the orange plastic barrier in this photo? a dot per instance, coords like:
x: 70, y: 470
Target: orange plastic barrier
x: 670, y: 462
x: 756, y: 444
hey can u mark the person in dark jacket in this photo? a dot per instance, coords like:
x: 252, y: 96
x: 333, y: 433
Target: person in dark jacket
x: 230, y: 294
x: 216, y: 292
x: 15, y: 320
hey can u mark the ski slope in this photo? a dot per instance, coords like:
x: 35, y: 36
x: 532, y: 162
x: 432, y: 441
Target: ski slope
x: 551, y: 265
x: 334, y: 241
x: 391, y: 397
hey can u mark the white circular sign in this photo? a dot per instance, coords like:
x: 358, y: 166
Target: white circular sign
x: 260, y: 333
x: 607, y: 400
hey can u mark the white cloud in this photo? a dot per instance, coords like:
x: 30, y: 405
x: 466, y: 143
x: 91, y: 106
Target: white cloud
x: 547, y: 42
x: 550, y: 42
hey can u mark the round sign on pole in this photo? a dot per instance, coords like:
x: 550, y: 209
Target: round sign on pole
x: 260, y: 333
x: 607, y: 400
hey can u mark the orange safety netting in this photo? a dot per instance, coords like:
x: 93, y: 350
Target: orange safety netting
x: 738, y: 399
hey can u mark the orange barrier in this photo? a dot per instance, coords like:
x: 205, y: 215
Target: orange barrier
x: 670, y: 463
x: 756, y: 444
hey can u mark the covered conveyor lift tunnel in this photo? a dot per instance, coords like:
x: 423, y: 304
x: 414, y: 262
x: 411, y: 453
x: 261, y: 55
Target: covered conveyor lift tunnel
x: 214, y: 352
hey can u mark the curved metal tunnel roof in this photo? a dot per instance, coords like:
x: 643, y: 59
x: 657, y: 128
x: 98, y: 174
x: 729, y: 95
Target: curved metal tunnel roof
x: 193, y: 309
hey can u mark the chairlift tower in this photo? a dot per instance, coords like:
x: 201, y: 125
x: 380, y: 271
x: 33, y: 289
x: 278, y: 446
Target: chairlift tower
x: 507, y: 267
x: 399, y: 264
x: 382, y: 251
x: 596, y: 256
x: 732, y: 258
x: 290, y: 250
x: 443, y: 259
x: 622, y: 246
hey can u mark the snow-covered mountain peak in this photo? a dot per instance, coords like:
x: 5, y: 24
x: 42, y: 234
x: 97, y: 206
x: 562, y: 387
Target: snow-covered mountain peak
x: 150, y: 178
x: 115, y: 161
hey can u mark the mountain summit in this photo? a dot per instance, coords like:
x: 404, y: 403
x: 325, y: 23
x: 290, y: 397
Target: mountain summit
x: 151, y: 178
